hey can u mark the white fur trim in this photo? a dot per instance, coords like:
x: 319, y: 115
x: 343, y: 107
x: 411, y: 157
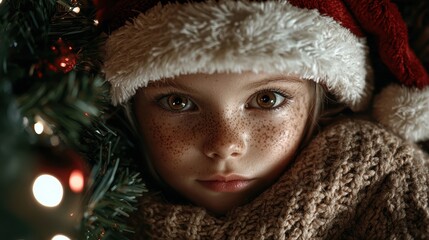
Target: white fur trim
x: 405, y: 110
x: 231, y: 36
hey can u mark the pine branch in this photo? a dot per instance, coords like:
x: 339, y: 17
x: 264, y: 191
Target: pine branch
x: 25, y: 25
x: 66, y: 101
x: 83, y: 32
x: 67, y: 105
x: 115, y: 189
x: 37, y: 38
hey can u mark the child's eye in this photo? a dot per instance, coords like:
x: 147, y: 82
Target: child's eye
x: 176, y: 103
x: 267, y: 99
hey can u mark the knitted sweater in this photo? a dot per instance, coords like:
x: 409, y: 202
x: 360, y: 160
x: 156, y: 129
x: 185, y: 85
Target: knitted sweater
x: 355, y: 180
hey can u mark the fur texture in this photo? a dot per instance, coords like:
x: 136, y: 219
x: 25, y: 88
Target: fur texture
x: 404, y: 110
x: 209, y: 37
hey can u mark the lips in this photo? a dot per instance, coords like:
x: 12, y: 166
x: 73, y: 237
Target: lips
x: 230, y: 183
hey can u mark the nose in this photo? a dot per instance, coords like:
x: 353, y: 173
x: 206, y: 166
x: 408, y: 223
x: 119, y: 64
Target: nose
x: 226, y: 139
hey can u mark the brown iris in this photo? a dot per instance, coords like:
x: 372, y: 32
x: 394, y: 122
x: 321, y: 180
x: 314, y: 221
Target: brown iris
x: 266, y: 99
x: 176, y: 102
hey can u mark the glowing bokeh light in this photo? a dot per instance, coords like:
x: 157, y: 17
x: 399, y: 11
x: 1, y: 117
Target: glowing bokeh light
x: 76, y: 9
x: 76, y: 181
x: 55, y: 140
x: 48, y: 190
x: 38, y: 127
x: 24, y: 119
x: 60, y: 237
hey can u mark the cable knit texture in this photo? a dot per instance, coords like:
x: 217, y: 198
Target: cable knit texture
x: 353, y: 181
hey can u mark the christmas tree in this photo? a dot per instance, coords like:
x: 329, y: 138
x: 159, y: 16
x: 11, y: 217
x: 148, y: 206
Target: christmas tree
x: 66, y: 155
x: 66, y: 169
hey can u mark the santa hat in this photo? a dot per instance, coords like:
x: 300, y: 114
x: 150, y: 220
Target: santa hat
x: 323, y: 41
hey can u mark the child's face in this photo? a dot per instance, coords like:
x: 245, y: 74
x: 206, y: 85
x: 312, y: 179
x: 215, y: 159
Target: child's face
x: 221, y: 139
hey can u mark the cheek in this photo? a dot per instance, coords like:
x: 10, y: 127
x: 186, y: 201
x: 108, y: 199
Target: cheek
x: 167, y: 142
x: 281, y: 135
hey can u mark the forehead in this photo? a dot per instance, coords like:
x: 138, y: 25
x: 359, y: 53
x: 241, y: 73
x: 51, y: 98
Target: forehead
x: 240, y: 80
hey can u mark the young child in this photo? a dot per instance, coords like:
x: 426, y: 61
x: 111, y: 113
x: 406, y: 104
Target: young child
x: 228, y: 96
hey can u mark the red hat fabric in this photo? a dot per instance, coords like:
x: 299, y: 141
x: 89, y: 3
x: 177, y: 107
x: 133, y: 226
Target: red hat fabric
x: 322, y: 41
x: 404, y: 105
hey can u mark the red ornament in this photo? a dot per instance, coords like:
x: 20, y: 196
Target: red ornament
x: 62, y: 60
x: 66, y: 58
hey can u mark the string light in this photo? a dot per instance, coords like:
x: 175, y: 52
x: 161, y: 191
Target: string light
x: 76, y: 9
x: 76, y: 181
x: 95, y: 21
x: 24, y: 119
x: 55, y: 140
x: 41, y: 126
x: 59, y: 236
x: 47, y: 190
x: 38, y: 127
x: 1, y: 1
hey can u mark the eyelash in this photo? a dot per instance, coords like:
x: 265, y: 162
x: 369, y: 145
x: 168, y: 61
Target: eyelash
x: 164, y: 97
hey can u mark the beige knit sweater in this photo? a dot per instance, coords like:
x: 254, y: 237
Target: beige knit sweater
x: 353, y: 181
